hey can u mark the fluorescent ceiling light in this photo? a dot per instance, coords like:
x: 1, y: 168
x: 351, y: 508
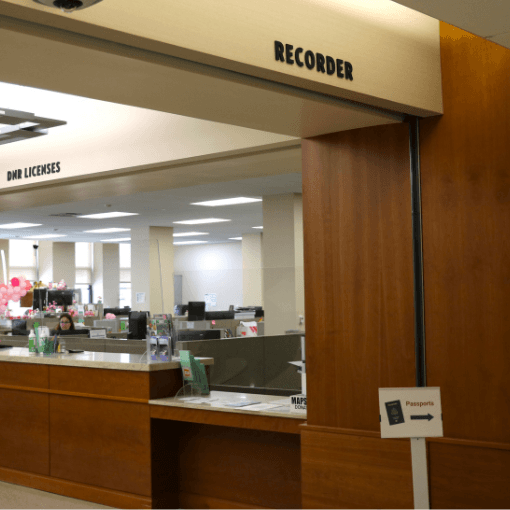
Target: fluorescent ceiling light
x: 257, y: 227
x: 203, y: 220
x: 236, y: 238
x: 44, y: 236
x: 101, y: 216
x: 20, y: 225
x: 191, y: 242
x: 106, y: 230
x: 187, y: 234
x: 228, y: 201
x: 120, y: 240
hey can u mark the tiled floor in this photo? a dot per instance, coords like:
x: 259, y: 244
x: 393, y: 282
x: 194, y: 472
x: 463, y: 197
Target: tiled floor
x: 16, y: 496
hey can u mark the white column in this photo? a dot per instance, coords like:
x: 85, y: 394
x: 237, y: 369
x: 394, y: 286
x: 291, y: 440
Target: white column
x: 46, y: 261
x: 252, y: 269
x: 152, y: 269
x: 111, y: 275
x: 64, y: 263
x: 282, y: 262
x: 4, y: 245
x: 97, y: 272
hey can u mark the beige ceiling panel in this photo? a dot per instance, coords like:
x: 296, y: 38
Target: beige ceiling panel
x: 111, y: 72
x: 394, y: 51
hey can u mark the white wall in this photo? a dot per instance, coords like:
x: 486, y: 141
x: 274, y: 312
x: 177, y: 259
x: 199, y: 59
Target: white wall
x: 213, y: 268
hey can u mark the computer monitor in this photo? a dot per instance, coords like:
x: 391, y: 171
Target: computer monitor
x: 63, y: 298
x: 196, y: 310
x: 195, y: 334
x: 40, y: 299
x: 180, y: 309
x: 137, y: 325
x: 211, y: 316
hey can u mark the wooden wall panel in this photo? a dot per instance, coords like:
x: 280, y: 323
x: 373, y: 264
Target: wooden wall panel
x: 358, y: 272
x: 468, y: 477
x: 24, y: 422
x: 118, y: 383
x: 223, y: 467
x: 25, y: 375
x: 101, y: 442
x: 349, y: 471
x: 465, y: 162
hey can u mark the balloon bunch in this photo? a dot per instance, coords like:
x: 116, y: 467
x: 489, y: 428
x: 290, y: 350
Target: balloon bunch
x: 14, y: 291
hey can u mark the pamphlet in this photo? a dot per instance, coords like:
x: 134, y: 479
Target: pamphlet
x: 193, y: 372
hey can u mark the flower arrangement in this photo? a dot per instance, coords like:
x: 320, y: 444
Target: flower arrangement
x: 61, y: 285
x: 72, y: 312
x: 51, y: 307
x: 110, y: 316
x: 14, y: 291
x: 89, y: 313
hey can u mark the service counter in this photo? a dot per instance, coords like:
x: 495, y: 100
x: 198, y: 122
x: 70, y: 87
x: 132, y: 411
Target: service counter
x: 79, y: 424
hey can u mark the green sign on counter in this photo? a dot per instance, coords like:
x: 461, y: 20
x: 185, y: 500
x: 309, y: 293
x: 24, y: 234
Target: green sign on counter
x: 193, y: 372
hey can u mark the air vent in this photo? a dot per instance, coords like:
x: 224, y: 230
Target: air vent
x: 66, y: 215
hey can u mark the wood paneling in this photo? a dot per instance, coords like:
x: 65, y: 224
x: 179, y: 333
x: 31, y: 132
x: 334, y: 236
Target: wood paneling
x: 468, y: 477
x: 75, y: 490
x: 346, y: 471
x: 238, y: 420
x: 254, y: 468
x: 24, y: 374
x: 358, y: 272
x: 24, y: 431
x: 166, y: 383
x: 101, y: 442
x: 466, y: 238
x: 118, y: 383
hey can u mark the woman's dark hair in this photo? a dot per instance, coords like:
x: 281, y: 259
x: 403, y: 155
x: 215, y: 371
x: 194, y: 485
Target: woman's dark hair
x: 67, y: 316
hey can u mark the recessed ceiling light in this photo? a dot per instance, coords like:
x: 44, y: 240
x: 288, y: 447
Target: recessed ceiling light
x: 44, y: 236
x: 120, y: 240
x: 101, y: 216
x: 187, y: 234
x: 228, y: 201
x: 257, y: 227
x: 191, y: 242
x: 236, y: 238
x: 203, y: 220
x: 106, y: 230
x: 20, y: 225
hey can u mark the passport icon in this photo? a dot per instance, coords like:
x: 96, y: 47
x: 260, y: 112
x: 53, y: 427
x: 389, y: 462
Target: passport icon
x: 394, y: 411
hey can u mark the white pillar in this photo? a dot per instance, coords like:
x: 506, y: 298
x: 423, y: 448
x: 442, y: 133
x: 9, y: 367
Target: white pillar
x: 46, y: 261
x: 152, y: 269
x: 106, y: 274
x: 64, y: 263
x: 4, y: 245
x: 252, y: 269
x: 282, y: 262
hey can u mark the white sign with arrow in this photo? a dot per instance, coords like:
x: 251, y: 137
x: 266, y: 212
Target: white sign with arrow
x: 410, y: 412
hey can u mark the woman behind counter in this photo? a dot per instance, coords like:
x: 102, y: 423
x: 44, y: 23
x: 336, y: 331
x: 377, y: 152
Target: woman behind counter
x: 65, y: 323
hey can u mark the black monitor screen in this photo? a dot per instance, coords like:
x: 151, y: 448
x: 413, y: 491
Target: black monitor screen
x: 61, y: 297
x: 211, y: 316
x: 206, y: 334
x: 40, y: 299
x: 137, y: 325
x: 196, y: 310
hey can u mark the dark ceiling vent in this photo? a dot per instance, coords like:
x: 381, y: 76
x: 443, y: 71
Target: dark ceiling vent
x: 66, y: 215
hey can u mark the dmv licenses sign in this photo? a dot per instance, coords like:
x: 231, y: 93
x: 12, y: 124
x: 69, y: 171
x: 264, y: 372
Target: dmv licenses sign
x: 410, y: 412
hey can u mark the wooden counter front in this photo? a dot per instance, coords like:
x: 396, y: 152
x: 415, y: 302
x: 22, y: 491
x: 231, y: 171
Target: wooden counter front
x: 78, y: 431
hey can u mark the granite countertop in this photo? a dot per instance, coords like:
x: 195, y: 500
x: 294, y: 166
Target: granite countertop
x: 106, y: 360
x: 217, y: 399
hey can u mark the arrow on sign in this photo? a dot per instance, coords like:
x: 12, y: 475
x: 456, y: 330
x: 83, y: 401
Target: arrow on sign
x: 422, y: 417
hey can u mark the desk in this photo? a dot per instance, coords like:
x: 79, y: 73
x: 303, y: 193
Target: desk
x: 79, y: 424
x: 203, y: 457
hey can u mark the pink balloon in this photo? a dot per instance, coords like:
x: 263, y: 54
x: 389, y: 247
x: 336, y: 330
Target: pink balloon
x: 15, y: 282
x: 17, y: 289
x: 23, y: 293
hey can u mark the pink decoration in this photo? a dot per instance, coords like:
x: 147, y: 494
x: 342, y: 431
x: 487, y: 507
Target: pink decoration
x: 15, y: 282
x: 110, y: 316
x: 50, y: 285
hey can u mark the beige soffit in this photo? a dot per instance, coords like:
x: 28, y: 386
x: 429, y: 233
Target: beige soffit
x: 394, y: 50
x: 489, y: 19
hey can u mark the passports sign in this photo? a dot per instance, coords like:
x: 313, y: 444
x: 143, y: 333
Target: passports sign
x: 410, y: 412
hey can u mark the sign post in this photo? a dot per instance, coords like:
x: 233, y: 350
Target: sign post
x: 415, y: 413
